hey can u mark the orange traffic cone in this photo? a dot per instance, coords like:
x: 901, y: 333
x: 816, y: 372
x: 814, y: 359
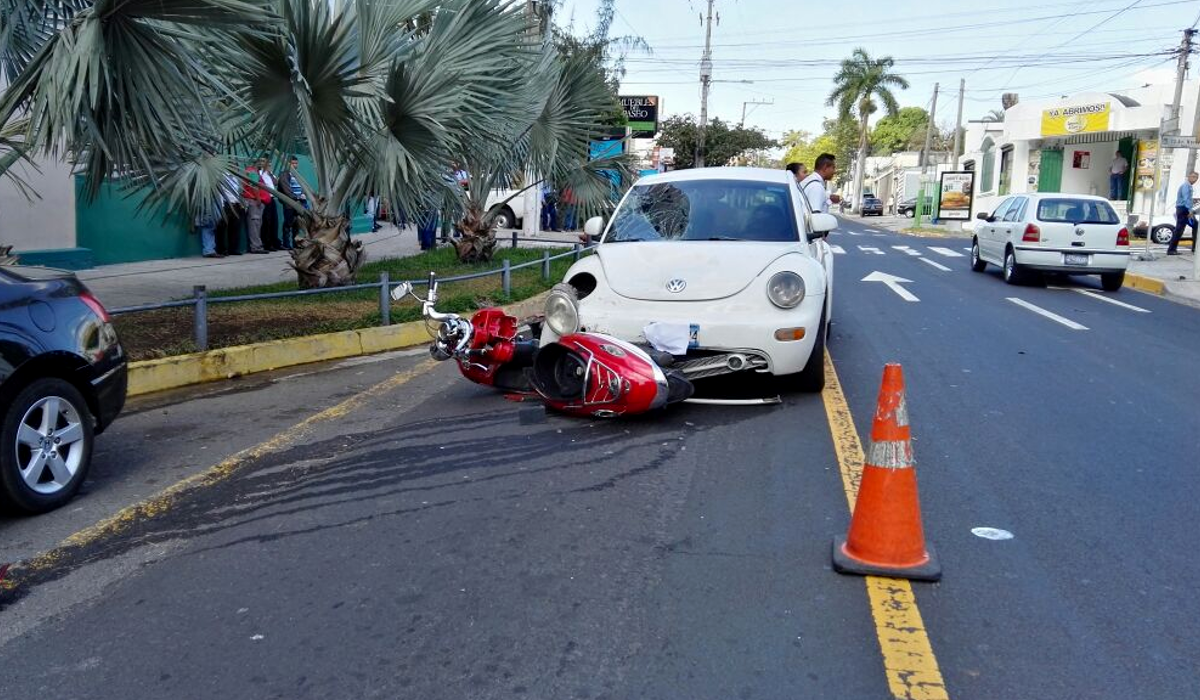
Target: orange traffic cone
x: 885, y: 537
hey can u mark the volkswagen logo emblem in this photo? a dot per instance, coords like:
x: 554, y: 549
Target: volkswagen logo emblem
x: 676, y: 285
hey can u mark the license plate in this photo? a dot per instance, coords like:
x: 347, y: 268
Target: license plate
x: 694, y: 337
x: 1076, y: 258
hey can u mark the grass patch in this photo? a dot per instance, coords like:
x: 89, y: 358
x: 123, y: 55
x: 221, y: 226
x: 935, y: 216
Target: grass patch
x: 934, y: 232
x: 167, y: 332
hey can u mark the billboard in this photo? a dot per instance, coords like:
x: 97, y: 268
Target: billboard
x: 1076, y: 119
x: 957, y: 190
x: 642, y: 113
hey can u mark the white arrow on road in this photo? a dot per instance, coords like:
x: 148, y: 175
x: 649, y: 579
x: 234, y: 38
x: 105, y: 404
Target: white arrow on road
x: 893, y: 283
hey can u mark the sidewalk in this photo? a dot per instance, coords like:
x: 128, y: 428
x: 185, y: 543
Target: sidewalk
x: 1174, y: 272
x: 152, y: 281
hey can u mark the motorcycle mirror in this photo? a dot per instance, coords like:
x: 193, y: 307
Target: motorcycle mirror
x: 401, y: 290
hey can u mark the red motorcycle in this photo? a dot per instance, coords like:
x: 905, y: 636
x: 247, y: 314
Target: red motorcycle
x: 583, y: 374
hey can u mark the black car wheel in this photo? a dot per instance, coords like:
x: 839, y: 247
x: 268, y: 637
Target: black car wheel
x: 45, y: 446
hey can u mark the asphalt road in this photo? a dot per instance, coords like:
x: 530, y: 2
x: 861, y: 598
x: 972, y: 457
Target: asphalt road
x: 428, y: 539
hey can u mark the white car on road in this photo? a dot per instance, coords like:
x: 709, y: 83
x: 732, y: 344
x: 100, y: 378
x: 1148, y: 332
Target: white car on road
x: 724, y: 266
x: 1065, y: 233
x: 512, y: 208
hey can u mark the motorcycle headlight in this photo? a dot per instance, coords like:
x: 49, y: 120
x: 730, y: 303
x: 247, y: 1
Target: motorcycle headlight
x: 562, y: 314
x: 786, y: 290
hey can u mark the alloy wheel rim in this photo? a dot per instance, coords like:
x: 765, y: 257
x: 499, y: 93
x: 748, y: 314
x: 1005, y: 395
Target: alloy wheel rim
x: 49, y: 445
x: 1009, y: 264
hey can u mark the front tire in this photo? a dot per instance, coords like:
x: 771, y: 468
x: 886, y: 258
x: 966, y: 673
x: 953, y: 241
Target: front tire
x: 1162, y: 234
x: 978, y: 264
x: 45, y: 446
x: 811, y: 379
x: 1112, y: 281
x: 505, y: 218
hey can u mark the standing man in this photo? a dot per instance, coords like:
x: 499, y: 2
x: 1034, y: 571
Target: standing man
x: 1117, y: 178
x: 798, y: 171
x: 289, y: 183
x: 270, y: 221
x: 1183, y: 212
x: 229, y: 226
x: 252, y: 198
x: 813, y: 186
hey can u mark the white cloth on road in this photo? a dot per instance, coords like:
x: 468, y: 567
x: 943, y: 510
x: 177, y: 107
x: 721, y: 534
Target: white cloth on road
x: 668, y: 337
x: 813, y: 188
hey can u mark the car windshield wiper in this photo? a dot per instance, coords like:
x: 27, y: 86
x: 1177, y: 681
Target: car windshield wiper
x: 723, y: 238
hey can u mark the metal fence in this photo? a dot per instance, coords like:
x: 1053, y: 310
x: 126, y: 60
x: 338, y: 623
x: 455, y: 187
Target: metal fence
x: 200, y: 299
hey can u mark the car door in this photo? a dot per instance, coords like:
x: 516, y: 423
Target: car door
x: 987, y: 241
x: 1010, y: 229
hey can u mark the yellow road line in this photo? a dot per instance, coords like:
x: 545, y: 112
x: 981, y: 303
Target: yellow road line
x: 163, y: 501
x: 912, y: 670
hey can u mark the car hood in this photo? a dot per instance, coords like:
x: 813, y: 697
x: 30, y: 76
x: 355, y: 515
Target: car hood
x: 709, y: 269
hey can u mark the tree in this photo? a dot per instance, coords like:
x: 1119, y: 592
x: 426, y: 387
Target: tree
x: 174, y: 95
x: 859, y: 82
x: 899, y: 132
x: 722, y: 143
x: 995, y: 115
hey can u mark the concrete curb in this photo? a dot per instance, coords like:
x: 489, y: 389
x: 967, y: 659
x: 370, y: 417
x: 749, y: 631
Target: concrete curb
x: 149, y: 376
x: 1145, y: 284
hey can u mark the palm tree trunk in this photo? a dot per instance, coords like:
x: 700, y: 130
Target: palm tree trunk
x: 861, y: 163
x: 326, y: 256
x: 477, y: 236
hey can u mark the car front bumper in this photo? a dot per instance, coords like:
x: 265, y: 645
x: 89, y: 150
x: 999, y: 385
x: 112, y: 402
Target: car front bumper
x: 1054, y: 260
x: 725, y: 325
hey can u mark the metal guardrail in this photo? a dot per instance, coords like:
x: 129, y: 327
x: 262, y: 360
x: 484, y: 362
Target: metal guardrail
x: 200, y: 300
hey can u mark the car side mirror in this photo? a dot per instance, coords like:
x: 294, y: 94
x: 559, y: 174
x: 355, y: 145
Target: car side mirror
x: 821, y: 225
x: 984, y: 216
x: 594, y: 227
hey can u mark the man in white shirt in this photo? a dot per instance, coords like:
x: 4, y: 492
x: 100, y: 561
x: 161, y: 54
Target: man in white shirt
x: 813, y: 186
x: 1117, y: 178
x: 270, y: 220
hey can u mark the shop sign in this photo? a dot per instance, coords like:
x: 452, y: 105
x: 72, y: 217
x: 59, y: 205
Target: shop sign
x: 1146, y: 160
x: 641, y: 111
x: 957, y: 190
x: 1076, y: 119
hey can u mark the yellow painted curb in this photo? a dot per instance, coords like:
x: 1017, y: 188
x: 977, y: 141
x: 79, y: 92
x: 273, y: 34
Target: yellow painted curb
x: 1145, y: 284
x: 149, y: 376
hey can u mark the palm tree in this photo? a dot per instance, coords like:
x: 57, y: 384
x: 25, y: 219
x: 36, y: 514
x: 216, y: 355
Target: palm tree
x: 858, y: 83
x: 995, y: 115
x: 175, y: 95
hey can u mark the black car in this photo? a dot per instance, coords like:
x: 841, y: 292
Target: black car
x: 63, y: 375
x: 871, y: 205
x: 909, y: 207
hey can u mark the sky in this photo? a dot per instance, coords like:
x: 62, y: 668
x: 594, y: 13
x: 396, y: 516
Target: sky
x: 790, y: 49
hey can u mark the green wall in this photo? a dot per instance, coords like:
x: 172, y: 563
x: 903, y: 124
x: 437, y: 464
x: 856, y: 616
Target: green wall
x: 115, y: 231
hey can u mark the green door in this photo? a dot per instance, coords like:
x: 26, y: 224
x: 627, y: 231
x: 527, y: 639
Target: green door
x: 1050, y: 171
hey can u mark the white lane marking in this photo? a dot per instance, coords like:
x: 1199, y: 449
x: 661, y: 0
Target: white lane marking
x: 879, y: 235
x: 854, y: 233
x: 837, y: 249
x: 991, y: 533
x: 893, y: 283
x: 1101, y: 297
x: 967, y: 249
x: 871, y: 249
x: 907, y: 250
x: 938, y: 265
x: 947, y: 252
x: 1048, y: 314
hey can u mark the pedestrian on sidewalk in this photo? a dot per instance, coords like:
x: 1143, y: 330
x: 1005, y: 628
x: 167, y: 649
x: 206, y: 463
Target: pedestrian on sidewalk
x: 1184, y: 202
x: 1117, y: 178
x: 570, y: 209
x: 252, y: 198
x: 427, y: 234
x: 549, y: 208
x: 205, y: 222
x: 798, y: 171
x: 289, y: 183
x: 270, y: 221
x: 814, y: 188
x: 233, y: 218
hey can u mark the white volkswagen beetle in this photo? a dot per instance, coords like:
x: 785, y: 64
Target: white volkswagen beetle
x: 725, y: 269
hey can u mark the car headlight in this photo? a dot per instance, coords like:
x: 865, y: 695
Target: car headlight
x: 562, y: 312
x: 786, y: 290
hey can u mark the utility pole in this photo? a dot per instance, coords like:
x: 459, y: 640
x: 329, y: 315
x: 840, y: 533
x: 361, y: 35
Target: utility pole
x: 705, y: 82
x: 753, y: 102
x: 1169, y: 126
x: 531, y: 224
x: 962, y: 90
